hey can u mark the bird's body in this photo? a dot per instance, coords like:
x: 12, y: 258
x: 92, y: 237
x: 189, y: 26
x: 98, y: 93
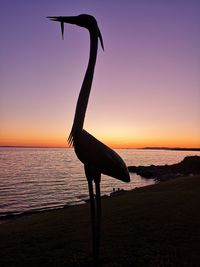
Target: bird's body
x: 97, y: 158
x: 92, y: 152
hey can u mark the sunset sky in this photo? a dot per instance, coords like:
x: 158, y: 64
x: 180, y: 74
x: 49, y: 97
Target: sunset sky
x: 146, y: 88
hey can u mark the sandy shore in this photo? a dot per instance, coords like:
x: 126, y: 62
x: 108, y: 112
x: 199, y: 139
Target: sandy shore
x: 157, y: 225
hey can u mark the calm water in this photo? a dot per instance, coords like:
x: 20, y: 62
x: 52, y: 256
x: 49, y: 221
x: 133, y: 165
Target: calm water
x: 44, y: 178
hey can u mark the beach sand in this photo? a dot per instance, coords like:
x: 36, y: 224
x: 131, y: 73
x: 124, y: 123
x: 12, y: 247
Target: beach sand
x: 157, y: 225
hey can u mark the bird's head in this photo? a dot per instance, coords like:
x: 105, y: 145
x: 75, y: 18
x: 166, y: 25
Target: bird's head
x: 83, y: 20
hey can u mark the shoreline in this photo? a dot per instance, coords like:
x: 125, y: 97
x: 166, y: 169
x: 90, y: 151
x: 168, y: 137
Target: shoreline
x: 156, y: 225
x: 15, y: 215
x: 190, y: 165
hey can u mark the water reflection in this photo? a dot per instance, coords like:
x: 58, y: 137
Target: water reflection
x: 34, y: 178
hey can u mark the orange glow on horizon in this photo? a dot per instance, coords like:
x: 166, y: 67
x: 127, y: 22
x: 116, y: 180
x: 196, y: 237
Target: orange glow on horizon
x: 114, y: 143
x: 114, y: 137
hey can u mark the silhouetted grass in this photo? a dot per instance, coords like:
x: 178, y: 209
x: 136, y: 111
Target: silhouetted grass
x: 154, y: 226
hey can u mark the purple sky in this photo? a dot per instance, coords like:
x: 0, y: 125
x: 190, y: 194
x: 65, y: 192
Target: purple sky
x: 146, y: 89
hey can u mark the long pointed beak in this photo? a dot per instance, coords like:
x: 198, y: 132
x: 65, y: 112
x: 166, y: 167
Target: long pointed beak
x: 62, y: 20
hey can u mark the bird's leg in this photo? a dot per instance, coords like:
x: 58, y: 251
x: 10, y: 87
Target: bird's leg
x: 92, y: 212
x: 98, y: 215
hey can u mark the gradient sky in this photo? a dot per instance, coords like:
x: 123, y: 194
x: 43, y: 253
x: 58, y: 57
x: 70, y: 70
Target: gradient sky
x: 146, y: 89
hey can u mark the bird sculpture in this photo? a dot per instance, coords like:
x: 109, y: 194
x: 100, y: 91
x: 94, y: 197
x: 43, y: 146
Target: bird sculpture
x: 97, y: 158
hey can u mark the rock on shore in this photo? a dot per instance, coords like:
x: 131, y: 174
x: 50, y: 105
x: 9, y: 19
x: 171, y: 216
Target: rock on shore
x: 190, y: 165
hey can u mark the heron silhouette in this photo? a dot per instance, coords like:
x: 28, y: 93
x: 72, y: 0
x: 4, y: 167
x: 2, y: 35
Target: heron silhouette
x: 97, y: 158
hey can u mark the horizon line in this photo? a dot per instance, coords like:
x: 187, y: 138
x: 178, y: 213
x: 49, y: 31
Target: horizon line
x: 147, y: 148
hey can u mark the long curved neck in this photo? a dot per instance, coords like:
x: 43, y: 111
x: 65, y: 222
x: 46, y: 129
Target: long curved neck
x: 84, y: 94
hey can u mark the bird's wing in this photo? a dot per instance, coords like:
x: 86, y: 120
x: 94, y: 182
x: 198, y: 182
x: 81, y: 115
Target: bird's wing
x: 94, y: 153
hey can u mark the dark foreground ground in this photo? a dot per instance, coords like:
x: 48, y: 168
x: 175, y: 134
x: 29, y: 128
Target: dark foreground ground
x: 154, y: 226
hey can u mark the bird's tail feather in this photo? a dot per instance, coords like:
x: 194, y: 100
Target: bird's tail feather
x: 71, y: 140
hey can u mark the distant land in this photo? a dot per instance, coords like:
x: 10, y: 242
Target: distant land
x: 173, y: 148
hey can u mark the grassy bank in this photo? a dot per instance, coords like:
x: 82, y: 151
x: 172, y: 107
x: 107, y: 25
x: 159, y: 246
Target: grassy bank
x: 154, y: 226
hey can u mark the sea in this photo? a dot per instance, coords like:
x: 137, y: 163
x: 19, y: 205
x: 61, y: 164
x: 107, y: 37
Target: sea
x: 39, y: 179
